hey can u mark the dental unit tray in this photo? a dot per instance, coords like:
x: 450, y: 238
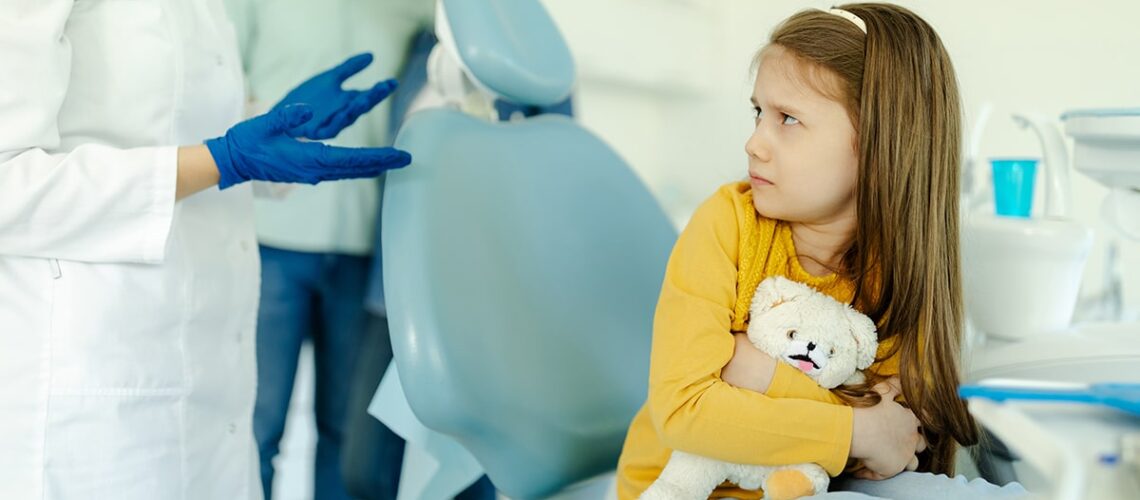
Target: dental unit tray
x: 1122, y: 396
x: 1106, y: 144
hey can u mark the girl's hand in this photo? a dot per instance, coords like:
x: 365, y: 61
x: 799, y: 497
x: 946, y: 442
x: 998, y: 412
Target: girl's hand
x: 749, y: 367
x: 886, y: 436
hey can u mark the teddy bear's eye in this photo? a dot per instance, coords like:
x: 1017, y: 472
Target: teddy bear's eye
x: 831, y: 352
x: 791, y: 334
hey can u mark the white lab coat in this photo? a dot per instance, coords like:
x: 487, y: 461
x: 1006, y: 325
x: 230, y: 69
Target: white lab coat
x: 126, y: 320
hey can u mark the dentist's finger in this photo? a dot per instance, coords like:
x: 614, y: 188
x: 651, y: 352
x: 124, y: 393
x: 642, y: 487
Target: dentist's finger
x: 351, y: 66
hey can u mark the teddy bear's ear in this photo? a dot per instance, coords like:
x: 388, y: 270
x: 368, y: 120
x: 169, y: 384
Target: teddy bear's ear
x: 866, y: 339
x: 776, y: 290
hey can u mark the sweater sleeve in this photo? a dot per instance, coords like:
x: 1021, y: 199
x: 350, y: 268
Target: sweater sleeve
x: 789, y: 382
x: 692, y: 409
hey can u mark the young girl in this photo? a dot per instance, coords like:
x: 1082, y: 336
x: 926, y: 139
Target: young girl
x: 853, y: 189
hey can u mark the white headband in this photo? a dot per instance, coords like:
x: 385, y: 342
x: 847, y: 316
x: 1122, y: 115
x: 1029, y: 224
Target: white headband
x: 850, y: 17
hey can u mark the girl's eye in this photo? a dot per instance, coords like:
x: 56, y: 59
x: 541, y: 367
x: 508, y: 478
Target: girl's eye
x: 788, y: 119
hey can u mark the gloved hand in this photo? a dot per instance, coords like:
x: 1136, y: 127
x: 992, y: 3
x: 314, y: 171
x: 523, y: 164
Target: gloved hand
x: 335, y: 108
x: 261, y: 149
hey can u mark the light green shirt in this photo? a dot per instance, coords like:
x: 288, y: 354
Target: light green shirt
x: 283, y: 43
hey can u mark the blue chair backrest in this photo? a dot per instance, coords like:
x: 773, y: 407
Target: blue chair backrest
x: 522, y: 265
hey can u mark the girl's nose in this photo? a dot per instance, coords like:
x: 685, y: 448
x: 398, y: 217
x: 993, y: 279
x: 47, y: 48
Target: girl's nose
x: 757, y: 146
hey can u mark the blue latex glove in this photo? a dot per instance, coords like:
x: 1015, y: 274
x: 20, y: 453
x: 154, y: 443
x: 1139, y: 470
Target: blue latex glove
x: 261, y: 149
x: 335, y: 108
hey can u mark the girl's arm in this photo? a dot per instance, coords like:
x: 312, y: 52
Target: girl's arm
x: 692, y: 408
x: 752, y: 369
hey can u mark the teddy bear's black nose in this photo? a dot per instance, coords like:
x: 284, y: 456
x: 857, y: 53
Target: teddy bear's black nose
x: 811, y: 346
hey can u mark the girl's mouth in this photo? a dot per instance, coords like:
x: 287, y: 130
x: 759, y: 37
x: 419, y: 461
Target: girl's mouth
x: 759, y: 181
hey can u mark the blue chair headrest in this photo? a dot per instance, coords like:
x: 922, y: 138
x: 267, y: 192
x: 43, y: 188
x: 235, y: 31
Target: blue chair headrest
x: 509, y: 48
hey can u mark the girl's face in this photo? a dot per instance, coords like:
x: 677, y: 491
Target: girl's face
x: 801, y: 155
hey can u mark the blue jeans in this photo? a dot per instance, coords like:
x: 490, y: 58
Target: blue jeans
x: 374, y: 456
x: 318, y: 297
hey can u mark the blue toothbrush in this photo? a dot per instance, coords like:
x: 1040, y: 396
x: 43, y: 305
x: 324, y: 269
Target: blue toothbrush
x: 1122, y: 396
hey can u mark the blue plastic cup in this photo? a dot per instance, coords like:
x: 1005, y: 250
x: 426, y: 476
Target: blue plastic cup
x: 1013, y: 185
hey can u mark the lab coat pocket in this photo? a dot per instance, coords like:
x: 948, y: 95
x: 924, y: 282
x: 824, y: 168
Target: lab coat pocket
x: 122, y: 446
x: 117, y: 328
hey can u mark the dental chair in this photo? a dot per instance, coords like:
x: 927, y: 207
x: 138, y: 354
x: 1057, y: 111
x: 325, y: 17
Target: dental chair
x: 522, y: 260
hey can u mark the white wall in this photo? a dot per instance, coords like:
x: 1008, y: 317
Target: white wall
x: 666, y: 83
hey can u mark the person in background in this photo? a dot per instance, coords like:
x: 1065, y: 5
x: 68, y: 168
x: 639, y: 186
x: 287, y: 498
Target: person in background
x: 320, y: 244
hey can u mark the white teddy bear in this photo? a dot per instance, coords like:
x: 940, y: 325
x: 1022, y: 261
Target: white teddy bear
x: 826, y: 339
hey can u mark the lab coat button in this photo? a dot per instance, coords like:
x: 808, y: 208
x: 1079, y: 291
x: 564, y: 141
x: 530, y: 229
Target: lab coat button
x: 244, y: 245
x: 232, y: 428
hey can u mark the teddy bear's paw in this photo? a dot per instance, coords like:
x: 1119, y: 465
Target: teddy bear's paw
x: 662, y: 490
x: 787, y: 484
x: 749, y: 484
x: 747, y: 477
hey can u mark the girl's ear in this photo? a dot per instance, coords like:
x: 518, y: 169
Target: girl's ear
x: 777, y: 290
x: 866, y: 339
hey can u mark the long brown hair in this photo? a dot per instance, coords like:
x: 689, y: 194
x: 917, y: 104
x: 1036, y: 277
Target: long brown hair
x: 900, y: 91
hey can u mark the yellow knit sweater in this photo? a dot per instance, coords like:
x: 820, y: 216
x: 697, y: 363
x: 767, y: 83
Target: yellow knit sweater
x: 719, y: 259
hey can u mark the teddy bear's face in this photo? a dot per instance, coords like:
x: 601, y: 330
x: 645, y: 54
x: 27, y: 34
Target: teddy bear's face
x: 827, y: 340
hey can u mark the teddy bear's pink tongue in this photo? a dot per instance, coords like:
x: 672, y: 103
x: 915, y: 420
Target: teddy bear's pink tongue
x: 805, y: 365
